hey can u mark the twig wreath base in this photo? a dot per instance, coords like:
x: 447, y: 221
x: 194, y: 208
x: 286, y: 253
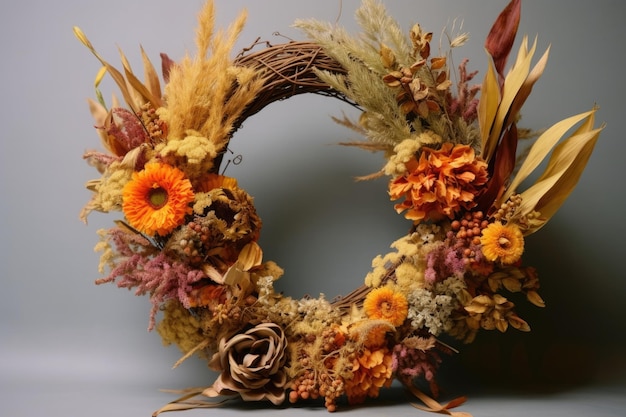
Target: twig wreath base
x: 188, y: 238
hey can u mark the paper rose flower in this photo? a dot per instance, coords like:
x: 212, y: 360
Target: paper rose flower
x: 252, y: 365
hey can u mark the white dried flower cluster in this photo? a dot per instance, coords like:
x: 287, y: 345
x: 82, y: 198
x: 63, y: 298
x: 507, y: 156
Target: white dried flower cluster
x: 316, y: 309
x: 280, y: 310
x: 432, y: 309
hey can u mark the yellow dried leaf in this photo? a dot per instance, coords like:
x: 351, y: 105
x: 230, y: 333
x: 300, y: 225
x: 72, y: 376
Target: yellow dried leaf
x: 213, y: 274
x: 535, y: 298
x: 99, y: 76
x: 518, y: 323
x: 488, y: 105
x: 564, y: 169
x: 512, y: 284
x: 250, y: 256
x: 152, y: 81
x: 552, y: 200
x: 499, y: 300
x: 137, y: 85
x: 512, y: 84
x: 115, y: 74
x: 502, y: 325
x: 540, y: 149
x: 236, y: 275
x: 530, y: 81
x: 476, y: 308
x: 387, y: 57
x: 82, y: 37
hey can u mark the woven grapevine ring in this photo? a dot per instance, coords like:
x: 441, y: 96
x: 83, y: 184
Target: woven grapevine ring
x: 188, y: 237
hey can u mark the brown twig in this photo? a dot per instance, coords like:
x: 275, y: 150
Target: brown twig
x: 288, y: 70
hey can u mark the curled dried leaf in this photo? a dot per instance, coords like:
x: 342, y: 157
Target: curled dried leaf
x: 518, y: 323
x: 512, y: 284
x: 535, y: 298
x: 438, y: 62
x: 387, y: 57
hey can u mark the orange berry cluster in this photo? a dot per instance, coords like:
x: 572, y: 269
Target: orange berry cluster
x: 467, y: 232
x: 324, y: 382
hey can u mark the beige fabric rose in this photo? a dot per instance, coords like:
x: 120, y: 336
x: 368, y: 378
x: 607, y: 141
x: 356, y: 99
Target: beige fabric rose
x: 251, y: 365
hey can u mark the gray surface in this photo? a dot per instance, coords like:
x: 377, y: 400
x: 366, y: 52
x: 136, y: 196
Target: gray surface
x: 69, y: 348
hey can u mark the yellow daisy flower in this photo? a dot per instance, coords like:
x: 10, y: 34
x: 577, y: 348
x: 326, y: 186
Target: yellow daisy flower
x: 386, y: 304
x: 504, y: 243
x: 156, y: 199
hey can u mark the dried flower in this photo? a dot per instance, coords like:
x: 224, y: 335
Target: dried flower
x: 156, y: 199
x: 372, y: 369
x: 416, y: 357
x: 252, y: 364
x: 441, y: 183
x: 386, y: 304
x: 503, y: 243
x: 213, y: 181
x: 180, y: 327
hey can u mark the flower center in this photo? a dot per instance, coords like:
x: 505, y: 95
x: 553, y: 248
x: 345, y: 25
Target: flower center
x: 157, y: 197
x: 504, y: 242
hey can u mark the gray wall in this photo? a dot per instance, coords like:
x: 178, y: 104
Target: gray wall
x: 324, y: 229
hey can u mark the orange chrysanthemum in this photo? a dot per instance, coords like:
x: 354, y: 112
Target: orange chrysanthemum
x: 386, y: 304
x: 504, y: 243
x: 441, y: 183
x: 371, y: 370
x: 156, y: 199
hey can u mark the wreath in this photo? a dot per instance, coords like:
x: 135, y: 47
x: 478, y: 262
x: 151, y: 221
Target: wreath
x: 188, y: 238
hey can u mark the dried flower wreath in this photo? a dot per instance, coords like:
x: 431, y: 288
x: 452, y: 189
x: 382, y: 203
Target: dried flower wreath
x: 189, y: 235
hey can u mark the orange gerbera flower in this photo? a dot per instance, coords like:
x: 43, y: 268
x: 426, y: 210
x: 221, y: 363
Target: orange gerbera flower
x: 504, y: 243
x: 441, y: 183
x: 386, y: 304
x: 157, y: 199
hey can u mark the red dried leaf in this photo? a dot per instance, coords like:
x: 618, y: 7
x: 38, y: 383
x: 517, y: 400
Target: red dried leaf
x: 502, y: 35
x: 166, y: 64
x: 503, y: 165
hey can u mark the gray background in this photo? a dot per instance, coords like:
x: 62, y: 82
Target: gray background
x: 69, y: 348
